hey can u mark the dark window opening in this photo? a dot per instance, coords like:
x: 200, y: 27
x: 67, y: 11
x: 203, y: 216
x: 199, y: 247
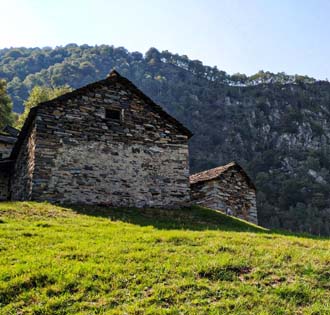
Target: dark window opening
x: 113, y: 114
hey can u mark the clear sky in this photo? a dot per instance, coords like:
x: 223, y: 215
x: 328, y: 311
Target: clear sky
x: 235, y: 35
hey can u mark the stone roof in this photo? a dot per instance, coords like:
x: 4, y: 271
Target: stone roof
x: 113, y: 78
x: 216, y: 172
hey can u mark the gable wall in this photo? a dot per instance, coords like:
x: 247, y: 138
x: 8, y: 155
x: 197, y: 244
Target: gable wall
x: 21, y: 179
x: 82, y: 157
x: 229, y: 192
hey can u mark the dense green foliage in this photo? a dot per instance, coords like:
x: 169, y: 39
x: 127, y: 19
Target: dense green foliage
x: 39, y: 95
x: 274, y: 125
x: 6, y: 106
x: 116, y: 261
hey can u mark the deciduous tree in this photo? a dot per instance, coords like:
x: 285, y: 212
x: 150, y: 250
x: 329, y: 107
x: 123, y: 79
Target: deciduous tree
x: 6, y: 106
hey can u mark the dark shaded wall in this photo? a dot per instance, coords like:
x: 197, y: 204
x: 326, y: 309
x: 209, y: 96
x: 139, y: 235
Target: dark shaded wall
x: 21, y: 182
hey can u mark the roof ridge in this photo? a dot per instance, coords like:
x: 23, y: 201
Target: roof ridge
x: 215, y: 172
x: 113, y: 73
x: 230, y: 164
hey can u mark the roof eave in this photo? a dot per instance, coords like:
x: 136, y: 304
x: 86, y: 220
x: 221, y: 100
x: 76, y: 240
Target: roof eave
x: 229, y: 166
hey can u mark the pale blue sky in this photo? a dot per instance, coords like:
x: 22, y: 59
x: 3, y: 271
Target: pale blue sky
x: 236, y: 35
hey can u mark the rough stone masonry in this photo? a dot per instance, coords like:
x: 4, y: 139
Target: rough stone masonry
x: 227, y: 188
x: 8, y: 137
x: 106, y: 143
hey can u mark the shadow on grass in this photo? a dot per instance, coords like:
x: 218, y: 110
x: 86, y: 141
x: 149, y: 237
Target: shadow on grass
x: 193, y: 218
x: 190, y: 218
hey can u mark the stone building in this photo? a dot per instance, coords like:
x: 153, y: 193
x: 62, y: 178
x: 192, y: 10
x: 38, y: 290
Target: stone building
x: 105, y: 143
x: 8, y: 138
x: 227, y: 188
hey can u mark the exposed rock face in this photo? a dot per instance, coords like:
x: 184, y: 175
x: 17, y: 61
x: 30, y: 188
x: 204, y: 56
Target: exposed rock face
x: 106, y: 143
x: 226, y: 188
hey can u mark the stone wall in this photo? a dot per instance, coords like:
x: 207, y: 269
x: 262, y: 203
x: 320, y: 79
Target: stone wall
x: 83, y: 156
x: 21, y: 179
x: 4, y: 180
x: 229, y: 193
x: 118, y: 174
x: 5, y: 150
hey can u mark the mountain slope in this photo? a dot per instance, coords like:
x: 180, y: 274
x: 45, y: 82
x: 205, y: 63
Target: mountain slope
x: 276, y: 126
x: 57, y: 260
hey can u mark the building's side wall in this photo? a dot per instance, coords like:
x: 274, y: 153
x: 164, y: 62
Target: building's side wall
x: 229, y: 193
x: 5, y: 150
x: 83, y: 157
x: 21, y: 179
x: 4, y: 181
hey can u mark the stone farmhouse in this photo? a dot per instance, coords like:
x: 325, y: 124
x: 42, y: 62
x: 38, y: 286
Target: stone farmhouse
x: 105, y: 143
x: 109, y: 144
x: 227, y: 188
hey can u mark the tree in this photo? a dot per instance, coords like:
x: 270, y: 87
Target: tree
x: 40, y: 94
x: 6, y: 106
x: 152, y: 56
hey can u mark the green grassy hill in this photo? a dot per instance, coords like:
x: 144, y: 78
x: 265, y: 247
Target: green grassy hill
x: 56, y: 260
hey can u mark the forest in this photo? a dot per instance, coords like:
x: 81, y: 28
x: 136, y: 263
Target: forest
x: 275, y: 125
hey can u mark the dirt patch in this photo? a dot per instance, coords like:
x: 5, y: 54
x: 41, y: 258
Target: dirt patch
x: 224, y: 273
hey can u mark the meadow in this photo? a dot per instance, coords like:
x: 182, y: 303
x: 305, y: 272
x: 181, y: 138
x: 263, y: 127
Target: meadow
x: 96, y: 260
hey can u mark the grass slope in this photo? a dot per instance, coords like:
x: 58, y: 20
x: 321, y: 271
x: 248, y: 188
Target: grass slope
x: 56, y: 260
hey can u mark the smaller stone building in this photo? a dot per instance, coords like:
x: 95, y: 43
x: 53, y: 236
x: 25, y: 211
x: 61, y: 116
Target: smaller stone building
x: 227, y: 188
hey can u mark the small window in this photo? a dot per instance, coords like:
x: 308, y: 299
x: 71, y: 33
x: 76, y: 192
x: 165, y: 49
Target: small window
x: 113, y: 114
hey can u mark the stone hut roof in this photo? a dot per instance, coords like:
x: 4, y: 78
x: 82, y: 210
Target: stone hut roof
x: 113, y: 78
x: 217, y: 172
